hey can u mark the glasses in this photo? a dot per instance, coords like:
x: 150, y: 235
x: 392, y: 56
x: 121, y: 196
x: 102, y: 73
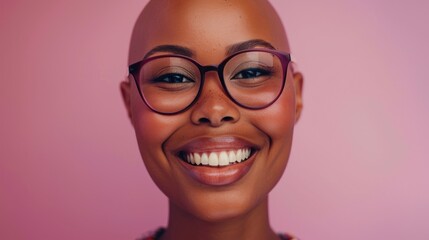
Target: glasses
x: 171, y: 84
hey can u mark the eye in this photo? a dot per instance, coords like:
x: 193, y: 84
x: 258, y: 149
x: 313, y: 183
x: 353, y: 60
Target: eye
x: 251, y: 73
x: 172, y: 82
x: 172, y: 78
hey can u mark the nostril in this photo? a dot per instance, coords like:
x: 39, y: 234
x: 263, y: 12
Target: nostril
x: 227, y: 119
x: 204, y: 120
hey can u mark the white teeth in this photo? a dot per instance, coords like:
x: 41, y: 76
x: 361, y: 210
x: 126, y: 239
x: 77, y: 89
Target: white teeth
x: 192, y: 158
x: 213, y: 159
x: 223, y: 158
x: 232, y: 157
x: 246, y: 153
x: 197, y: 158
x: 204, y: 159
x: 239, y: 155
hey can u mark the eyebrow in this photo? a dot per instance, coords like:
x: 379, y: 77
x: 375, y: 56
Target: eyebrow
x: 248, y: 45
x: 175, y: 49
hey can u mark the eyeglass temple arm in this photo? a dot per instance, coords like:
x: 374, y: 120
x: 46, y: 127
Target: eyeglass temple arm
x: 293, y: 63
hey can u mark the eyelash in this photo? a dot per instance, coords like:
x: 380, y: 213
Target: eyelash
x: 262, y: 72
x: 161, y: 79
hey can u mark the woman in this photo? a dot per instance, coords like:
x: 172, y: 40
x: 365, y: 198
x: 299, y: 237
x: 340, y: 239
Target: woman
x: 213, y: 101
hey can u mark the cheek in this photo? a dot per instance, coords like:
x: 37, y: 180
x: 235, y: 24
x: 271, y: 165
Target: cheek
x: 278, y: 120
x: 152, y: 130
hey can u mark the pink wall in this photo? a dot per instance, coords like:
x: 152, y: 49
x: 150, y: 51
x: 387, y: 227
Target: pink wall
x: 69, y: 164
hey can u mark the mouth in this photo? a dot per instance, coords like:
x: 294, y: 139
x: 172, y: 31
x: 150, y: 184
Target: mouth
x: 217, y: 161
x: 217, y: 158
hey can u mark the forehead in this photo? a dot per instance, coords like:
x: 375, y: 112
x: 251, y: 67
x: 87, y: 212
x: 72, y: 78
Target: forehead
x: 207, y: 27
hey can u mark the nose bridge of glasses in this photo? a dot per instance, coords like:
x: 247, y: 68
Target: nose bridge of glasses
x: 212, y: 68
x: 209, y: 68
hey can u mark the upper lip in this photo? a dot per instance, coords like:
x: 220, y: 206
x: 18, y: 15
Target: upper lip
x: 214, y: 144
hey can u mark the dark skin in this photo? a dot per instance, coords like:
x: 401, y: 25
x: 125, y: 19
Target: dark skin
x: 210, y: 30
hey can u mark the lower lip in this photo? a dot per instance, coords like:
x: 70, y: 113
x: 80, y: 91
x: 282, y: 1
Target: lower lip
x: 218, y: 176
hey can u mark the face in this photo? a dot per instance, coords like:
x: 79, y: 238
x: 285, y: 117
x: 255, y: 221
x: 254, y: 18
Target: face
x: 214, y: 127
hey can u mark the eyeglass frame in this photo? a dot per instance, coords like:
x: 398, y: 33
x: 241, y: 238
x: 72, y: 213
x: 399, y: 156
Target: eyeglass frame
x: 285, y: 60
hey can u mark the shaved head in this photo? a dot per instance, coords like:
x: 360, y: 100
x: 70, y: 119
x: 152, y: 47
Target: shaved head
x: 208, y: 25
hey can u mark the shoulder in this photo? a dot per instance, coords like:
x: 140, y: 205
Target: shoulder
x: 153, y: 235
x: 286, y: 236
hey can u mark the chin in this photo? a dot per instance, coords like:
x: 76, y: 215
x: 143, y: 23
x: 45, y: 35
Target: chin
x: 219, y: 205
x: 217, y: 209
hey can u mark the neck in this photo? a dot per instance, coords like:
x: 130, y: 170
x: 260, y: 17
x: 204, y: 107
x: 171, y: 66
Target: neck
x: 252, y: 225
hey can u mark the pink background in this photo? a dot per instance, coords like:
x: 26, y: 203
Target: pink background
x: 70, y: 168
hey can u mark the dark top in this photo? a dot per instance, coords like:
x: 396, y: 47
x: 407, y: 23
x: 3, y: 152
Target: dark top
x: 158, y: 233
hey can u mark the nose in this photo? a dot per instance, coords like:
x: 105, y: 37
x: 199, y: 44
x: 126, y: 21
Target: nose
x: 214, y: 108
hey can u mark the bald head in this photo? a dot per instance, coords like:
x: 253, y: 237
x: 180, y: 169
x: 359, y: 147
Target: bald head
x: 207, y: 28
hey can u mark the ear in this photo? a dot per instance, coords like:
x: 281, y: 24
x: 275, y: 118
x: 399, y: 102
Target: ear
x: 298, y: 81
x: 125, y: 87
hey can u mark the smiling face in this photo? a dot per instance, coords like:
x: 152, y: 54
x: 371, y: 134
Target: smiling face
x: 216, y: 160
